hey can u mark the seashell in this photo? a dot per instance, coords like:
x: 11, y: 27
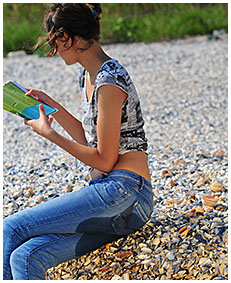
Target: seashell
x: 216, y: 187
x: 185, y: 233
x: 222, y: 268
x: 125, y: 276
x: 179, y: 162
x: 142, y: 245
x: 156, y: 241
x: 201, y: 182
x: 225, y: 238
x: 199, y: 209
x: 67, y: 276
x: 183, y: 229
x: 146, y: 250
x: 166, y: 173
x: 143, y: 256
x: 218, y: 152
x: 123, y: 254
x: 28, y: 192
x: 147, y: 261
x: 168, y: 147
x: 209, y: 201
x: 181, y: 273
x: 170, y: 256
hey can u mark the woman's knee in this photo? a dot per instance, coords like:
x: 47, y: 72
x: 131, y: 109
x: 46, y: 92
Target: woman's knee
x: 26, y: 264
x: 14, y: 225
x: 9, y: 226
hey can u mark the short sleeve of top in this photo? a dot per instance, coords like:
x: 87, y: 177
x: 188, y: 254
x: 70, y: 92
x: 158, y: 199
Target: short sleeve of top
x: 132, y: 135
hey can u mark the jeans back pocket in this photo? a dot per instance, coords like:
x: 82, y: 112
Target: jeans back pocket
x: 131, y: 220
x: 139, y: 216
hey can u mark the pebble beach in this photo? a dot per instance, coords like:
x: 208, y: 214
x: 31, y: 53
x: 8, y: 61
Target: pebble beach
x: 183, y: 88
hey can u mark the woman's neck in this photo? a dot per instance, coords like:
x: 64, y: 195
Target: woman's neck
x: 92, y: 59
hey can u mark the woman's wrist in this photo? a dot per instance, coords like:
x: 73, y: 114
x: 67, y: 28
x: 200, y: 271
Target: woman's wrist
x: 57, y: 106
x: 51, y: 135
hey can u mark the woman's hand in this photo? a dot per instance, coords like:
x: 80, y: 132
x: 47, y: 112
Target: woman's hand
x: 41, y: 126
x: 41, y: 96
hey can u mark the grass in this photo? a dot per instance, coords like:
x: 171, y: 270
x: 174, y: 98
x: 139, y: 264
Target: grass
x: 133, y: 22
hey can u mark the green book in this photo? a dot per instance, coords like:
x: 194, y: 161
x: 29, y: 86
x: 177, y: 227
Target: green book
x: 16, y: 102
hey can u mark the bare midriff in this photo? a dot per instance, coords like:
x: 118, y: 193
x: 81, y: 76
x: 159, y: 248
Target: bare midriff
x: 134, y: 161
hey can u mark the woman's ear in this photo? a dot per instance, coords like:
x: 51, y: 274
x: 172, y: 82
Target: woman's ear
x: 81, y: 45
x: 63, y: 43
x: 77, y: 42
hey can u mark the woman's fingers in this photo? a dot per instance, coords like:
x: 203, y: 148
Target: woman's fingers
x: 51, y: 120
x: 32, y: 93
x: 42, y: 111
x: 27, y: 122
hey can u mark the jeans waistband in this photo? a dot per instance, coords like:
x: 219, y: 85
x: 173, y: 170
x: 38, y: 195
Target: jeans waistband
x: 124, y: 174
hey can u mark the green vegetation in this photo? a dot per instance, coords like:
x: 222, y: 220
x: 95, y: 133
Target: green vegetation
x: 135, y: 22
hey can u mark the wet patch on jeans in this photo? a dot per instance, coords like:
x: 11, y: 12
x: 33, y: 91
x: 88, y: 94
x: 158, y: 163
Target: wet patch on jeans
x: 91, y: 242
x: 95, y: 225
x: 127, y: 222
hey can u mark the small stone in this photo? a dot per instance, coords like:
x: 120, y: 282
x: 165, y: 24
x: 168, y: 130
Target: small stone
x: 185, y: 233
x: 28, y: 192
x: 179, y: 162
x: 14, y: 54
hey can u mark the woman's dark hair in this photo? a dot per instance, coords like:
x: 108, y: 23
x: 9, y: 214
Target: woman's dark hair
x: 73, y: 19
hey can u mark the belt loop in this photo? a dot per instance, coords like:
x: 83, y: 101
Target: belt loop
x: 102, y: 176
x: 141, y: 183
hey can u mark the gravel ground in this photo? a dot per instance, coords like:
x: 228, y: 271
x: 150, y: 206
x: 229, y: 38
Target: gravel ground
x: 183, y: 87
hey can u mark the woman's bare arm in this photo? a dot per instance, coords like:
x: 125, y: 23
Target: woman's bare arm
x: 70, y: 124
x: 104, y: 157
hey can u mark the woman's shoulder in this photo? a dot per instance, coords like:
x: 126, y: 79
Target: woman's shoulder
x: 113, y: 72
x: 113, y: 68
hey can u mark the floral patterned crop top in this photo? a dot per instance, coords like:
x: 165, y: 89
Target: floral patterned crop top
x: 132, y: 137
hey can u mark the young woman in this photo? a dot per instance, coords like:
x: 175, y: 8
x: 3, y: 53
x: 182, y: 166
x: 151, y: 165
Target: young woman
x: 110, y: 139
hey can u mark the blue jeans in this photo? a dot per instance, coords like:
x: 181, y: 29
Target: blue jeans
x: 64, y: 228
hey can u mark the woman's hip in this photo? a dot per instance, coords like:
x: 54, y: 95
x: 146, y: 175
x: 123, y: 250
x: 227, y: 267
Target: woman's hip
x: 118, y: 199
